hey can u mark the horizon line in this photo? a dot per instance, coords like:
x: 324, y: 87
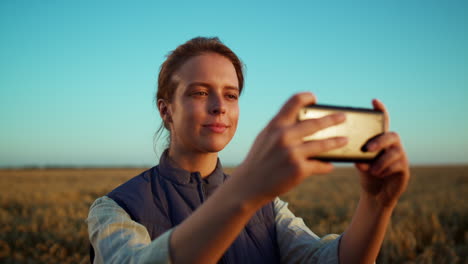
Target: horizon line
x: 129, y: 166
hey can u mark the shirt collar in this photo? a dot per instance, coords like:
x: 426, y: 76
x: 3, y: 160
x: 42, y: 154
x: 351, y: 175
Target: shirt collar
x: 168, y: 169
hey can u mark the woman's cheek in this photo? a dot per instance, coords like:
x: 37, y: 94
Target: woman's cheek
x: 235, y: 117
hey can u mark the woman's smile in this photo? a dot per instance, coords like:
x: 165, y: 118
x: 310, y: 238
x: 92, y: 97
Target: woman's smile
x: 216, y: 127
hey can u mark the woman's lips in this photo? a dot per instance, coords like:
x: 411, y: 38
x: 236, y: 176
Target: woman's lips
x: 216, y: 128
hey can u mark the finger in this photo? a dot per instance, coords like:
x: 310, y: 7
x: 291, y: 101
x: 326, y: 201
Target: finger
x: 364, y: 167
x: 288, y: 113
x: 394, y: 168
x: 390, y: 156
x: 383, y: 141
x: 310, y: 126
x: 378, y: 105
x: 318, y: 167
x: 312, y: 148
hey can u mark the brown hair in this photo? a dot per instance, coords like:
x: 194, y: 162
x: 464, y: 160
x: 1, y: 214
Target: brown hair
x: 176, y: 58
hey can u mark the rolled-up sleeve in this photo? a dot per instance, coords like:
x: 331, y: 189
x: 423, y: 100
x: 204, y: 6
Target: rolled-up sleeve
x: 298, y: 244
x: 116, y: 238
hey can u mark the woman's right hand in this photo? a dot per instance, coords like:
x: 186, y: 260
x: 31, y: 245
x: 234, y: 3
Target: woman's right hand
x: 279, y: 158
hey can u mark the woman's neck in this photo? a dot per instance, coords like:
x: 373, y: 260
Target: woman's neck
x: 205, y: 163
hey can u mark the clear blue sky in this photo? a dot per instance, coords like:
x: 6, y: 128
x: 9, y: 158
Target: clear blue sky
x: 78, y: 78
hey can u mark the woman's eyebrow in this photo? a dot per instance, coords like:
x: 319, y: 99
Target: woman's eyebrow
x: 207, y: 85
x: 231, y: 88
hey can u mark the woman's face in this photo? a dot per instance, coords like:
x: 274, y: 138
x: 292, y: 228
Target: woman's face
x: 204, y: 109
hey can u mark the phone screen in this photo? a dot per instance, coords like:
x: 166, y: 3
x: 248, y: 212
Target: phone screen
x: 361, y: 125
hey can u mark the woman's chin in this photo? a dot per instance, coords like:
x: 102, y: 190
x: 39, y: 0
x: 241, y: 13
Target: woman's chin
x: 215, y: 146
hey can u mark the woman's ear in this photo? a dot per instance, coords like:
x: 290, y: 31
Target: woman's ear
x: 164, y: 111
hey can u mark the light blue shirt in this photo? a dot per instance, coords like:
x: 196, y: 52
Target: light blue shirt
x: 117, y: 238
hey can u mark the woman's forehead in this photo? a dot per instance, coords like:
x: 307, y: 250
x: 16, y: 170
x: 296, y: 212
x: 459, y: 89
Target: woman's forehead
x: 208, y: 68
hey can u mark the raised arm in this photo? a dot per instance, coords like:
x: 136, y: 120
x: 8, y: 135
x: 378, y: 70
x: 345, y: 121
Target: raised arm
x: 277, y: 161
x: 382, y: 183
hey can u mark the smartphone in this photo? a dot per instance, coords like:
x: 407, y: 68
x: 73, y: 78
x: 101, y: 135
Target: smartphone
x: 361, y: 125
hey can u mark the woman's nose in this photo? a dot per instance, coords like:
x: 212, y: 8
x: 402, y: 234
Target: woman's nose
x: 217, y: 106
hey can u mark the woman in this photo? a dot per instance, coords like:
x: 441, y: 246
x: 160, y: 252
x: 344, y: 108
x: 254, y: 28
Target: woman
x: 172, y: 213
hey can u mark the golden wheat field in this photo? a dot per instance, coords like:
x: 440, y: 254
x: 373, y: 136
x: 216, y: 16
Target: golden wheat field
x: 43, y: 210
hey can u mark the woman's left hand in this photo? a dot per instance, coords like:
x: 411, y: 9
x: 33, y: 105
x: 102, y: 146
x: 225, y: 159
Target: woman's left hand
x: 386, y: 178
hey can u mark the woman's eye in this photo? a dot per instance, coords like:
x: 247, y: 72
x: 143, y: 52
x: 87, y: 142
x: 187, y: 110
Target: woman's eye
x: 200, y: 93
x: 232, y: 96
